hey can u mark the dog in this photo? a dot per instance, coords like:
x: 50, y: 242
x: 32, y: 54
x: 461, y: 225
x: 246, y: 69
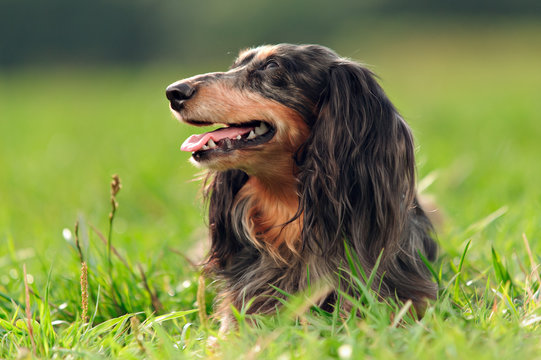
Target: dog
x: 313, y: 163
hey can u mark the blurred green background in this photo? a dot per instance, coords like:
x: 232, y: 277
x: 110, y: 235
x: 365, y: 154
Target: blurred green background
x: 82, y: 97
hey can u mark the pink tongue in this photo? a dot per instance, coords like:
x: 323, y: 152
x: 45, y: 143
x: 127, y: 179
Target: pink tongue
x: 196, y: 142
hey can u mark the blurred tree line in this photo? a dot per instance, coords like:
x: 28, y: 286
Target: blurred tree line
x: 110, y: 31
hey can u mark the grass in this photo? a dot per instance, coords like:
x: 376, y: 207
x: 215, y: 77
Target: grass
x: 471, y: 96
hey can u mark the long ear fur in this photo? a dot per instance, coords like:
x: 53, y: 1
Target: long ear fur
x: 357, y: 183
x: 222, y: 190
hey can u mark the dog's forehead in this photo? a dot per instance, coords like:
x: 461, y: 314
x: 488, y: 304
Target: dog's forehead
x: 305, y: 53
x: 265, y: 52
x: 255, y: 54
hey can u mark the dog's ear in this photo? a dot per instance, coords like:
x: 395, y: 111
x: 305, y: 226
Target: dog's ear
x: 357, y: 172
x: 222, y: 190
x: 358, y: 168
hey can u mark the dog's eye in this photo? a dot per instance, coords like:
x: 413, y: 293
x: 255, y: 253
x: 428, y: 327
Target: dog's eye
x: 271, y: 64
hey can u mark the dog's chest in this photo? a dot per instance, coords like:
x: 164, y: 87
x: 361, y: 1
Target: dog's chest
x: 271, y: 218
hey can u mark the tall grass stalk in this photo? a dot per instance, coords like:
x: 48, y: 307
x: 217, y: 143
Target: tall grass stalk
x: 84, y: 292
x: 28, y: 310
x: 115, y: 188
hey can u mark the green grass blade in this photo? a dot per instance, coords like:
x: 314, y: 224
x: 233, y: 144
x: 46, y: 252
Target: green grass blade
x: 502, y: 275
x: 430, y: 268
x: 458, y: 280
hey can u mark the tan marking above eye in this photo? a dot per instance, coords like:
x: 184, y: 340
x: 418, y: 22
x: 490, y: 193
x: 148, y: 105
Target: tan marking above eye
x: 265, y: 52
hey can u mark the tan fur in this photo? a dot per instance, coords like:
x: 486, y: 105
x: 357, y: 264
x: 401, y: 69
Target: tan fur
x: 269, y: 215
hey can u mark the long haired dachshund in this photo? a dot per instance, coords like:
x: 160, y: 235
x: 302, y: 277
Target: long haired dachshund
x: 313, y: 162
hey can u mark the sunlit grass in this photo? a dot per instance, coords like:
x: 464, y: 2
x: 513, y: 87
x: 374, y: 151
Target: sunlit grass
x: 474, y: 109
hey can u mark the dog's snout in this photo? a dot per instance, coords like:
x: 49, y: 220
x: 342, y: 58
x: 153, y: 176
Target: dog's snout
x: 177, y: 93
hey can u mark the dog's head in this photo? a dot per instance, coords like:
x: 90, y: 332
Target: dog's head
x: 303, y: 110
x: 267, y: 101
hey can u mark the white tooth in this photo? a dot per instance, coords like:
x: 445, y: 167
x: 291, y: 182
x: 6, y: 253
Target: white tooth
x: 211, y: 144
x: 251, y: 135
x: 261, y: 129
x: 238, y: 137
x: 205, y: 147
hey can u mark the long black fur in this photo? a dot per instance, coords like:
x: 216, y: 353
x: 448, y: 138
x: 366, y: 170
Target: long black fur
x: 361, y: 189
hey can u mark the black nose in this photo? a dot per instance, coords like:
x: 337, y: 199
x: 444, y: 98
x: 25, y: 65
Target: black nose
x: 178, y: 93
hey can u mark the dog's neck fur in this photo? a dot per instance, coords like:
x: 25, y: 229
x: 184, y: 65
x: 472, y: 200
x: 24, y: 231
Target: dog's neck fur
x: 269, y: 209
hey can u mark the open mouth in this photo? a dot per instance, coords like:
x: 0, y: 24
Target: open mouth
x: 227, y: 139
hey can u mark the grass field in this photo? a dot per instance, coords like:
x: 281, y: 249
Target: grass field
x: 472, y: 97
